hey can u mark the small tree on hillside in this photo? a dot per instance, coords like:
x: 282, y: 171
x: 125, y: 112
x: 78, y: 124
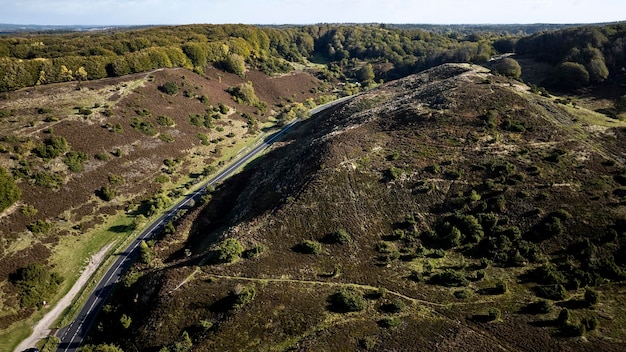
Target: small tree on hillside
x: 229, y: 250
x: 509, y: 67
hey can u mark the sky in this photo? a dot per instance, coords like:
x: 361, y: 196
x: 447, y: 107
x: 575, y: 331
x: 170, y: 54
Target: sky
x: 144, y: 12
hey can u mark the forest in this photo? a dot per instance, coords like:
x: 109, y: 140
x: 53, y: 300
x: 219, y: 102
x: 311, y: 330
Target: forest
x: 35, y: 59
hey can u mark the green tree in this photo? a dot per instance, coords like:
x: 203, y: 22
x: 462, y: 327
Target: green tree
x: 196, y: 53
x: 230, y: 250
x: 509, y: 67
x: 571, y: 76
x: 366, y: 73
x: 234, y: 63
x: 9, y: 192
x: 100, y: 348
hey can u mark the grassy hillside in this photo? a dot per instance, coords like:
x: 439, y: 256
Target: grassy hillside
x: 452, y: 209
x: 87, y: 163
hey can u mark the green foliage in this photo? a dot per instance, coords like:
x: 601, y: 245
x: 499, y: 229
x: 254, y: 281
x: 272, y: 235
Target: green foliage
x: 74, y: 160
x: 494, y: 314
x: 106, y: 193
x: 541, y: 306
x: 145, y: 127
x: 29, y: 210
x: 554, y: 292
x: 100, y: 348
x: 170, y: 88
x: 45, y: 179
x: 162, y: 179
x: 244, y: 94
x: 243, y: 296
x: 235, y: 64
x: 449, y: 278
x: 164, y: 120
x: 39, y: 226
x: 346, y: 301
x: 102, y: 156
x: 571, y: 76
x: 229, y: 250
x: 509, y: 67
x: 309, y: 247
x: 389, y: 322
x: 52, y: 147
x: 125, y: 320
x: 9, y: 191
x: 116, y: 179
x: 166, y: 137
x: 340, y: 236
x: 35, y: 283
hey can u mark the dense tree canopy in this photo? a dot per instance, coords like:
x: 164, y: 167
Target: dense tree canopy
x: 9, y: 192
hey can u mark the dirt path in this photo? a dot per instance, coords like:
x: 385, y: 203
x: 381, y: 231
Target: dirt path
x: 42, y: 329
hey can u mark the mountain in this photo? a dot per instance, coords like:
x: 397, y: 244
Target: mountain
x: 449, y: 210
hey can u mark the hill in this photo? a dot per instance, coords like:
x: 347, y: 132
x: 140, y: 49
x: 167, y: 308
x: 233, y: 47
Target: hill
x: 448, y: 210
x: 94, y: 160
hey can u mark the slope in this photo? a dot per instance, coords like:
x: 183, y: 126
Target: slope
x: 430, y: 213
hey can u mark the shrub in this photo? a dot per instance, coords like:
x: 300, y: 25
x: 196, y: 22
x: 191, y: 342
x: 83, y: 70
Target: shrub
x: 9, y: 192
x: 449, y: 278
x: 170, y: 88
x: 340, y: 236
x: 145, y: 127
x: 553, y: 292
x: 346, y: 301
x: 74, y: 160
x: 389, y: 322
x: 52, y: 147
x: 164, y: 120
x: 102, y: 156
x: 309, y: 247
x: 229, y: 250
x: 494, y: 314
x: 162, y: 179
x: 395, y: 306
x: 541, y: 306
x: 242, y: 295
x: 509, y: 67
x: 39, y: 226
x: 166, y: 137
x: 35, y: 283
x: 106, y: 193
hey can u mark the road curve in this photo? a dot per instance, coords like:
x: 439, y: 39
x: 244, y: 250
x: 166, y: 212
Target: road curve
x: 72, y: 335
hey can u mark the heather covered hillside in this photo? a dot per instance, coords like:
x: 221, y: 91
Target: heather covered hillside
x: 452, y: 209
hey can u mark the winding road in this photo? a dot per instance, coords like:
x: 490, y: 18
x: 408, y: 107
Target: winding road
x: 72, y: 335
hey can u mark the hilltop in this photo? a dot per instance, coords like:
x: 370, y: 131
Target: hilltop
x: 449, y: 210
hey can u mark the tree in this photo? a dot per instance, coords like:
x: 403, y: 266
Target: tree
x: 229, y: 250
x: 509, y: 67
x: 9, y: 192
x: 170, y: 88
x: 598, y: 71
x: 366, y: 73
x: 101, y: 348
x: 81, y: 74
x: 234, y: 63
x: 346, y: 301
x: 571, y: 76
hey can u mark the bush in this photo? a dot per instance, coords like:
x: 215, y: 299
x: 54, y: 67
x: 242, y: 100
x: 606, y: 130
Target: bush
x: 9, y: 192
x: 39, y: 226
x: 449, y: 278
x: 541, y: 306
x: 229, y: 250
x: 340, y: 236
x: 35, y: 284
x: 553, y: 292
x: 164, y: 120
x: 145, y: 127
x: 389, y: 322
x: 243, y: 295
x: 591, y: 296
x: 509, y: 67
x: 309, y: 247
x: 170, y: 88
x: 74, y: 160
x: 494, y: 314
x: 106, y: 193
x: 346, y: 301
x: 52, y: 147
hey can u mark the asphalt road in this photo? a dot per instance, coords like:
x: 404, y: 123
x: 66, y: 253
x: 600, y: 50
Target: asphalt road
x: 72, y: 335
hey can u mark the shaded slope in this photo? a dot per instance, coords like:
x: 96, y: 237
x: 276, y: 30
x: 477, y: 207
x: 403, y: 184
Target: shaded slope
x: 448, y: 184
